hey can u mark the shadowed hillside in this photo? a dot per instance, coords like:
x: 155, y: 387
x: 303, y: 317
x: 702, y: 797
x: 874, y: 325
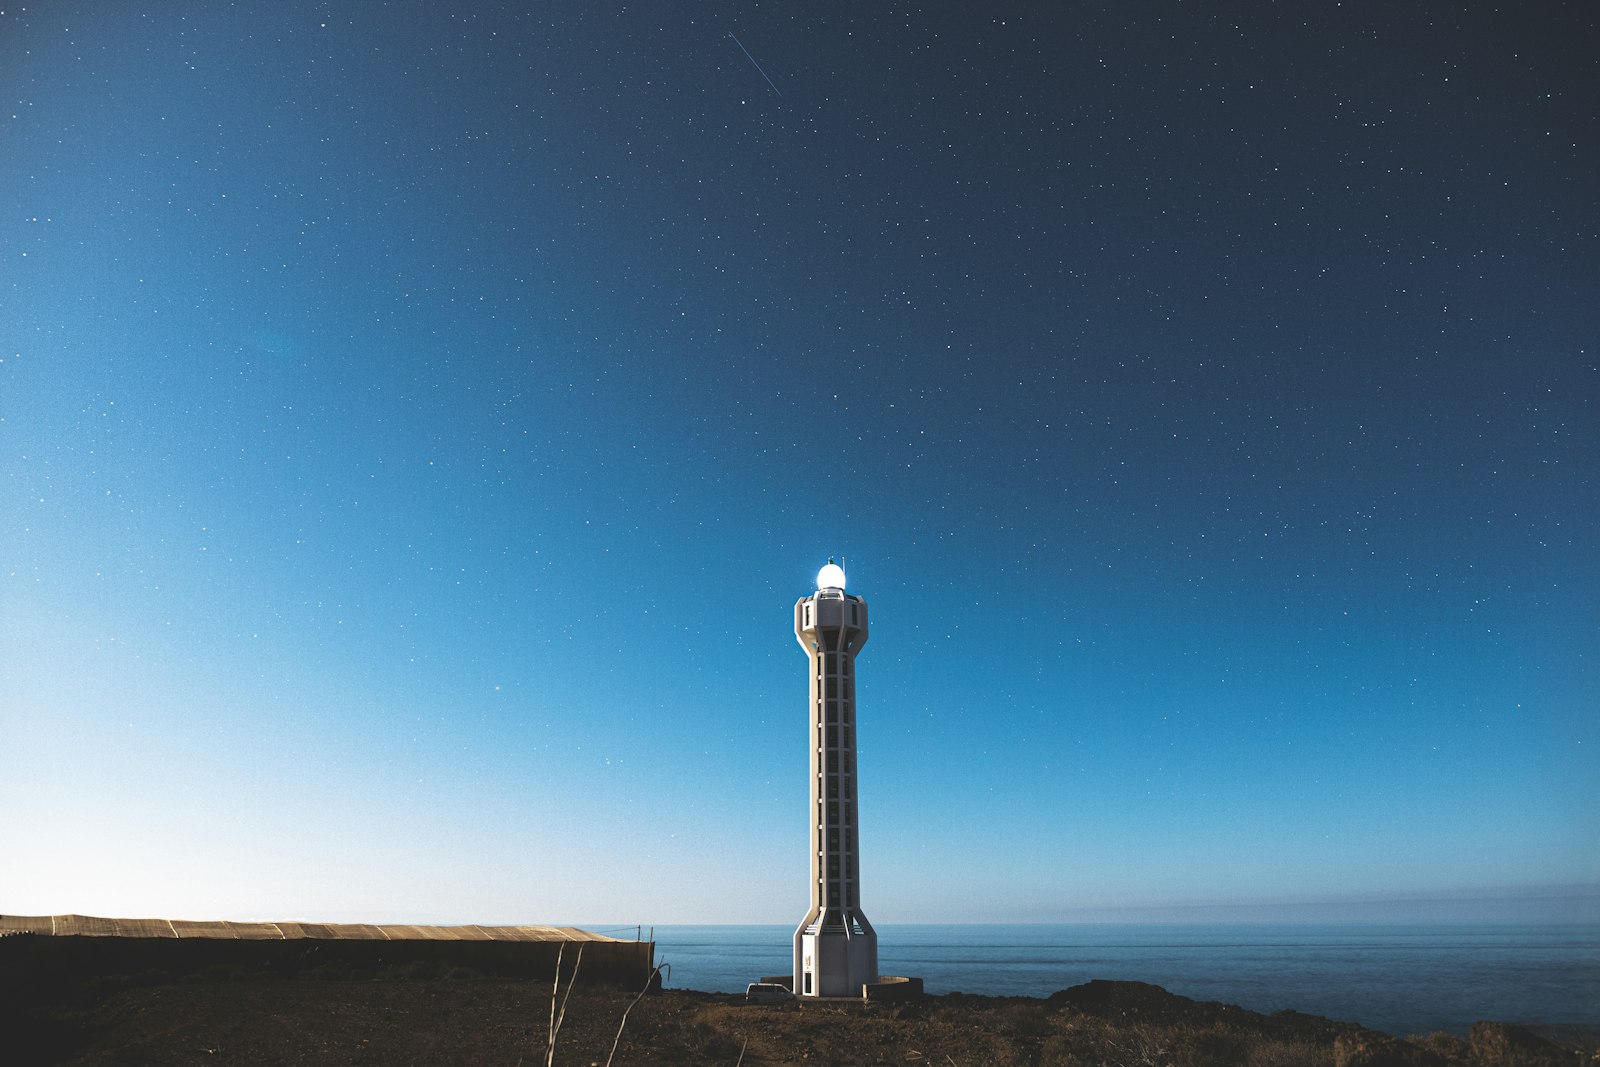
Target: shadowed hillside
x: 427, y: 1014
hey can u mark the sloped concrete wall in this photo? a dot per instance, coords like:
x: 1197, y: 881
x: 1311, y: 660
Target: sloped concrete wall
x: 35, y: 963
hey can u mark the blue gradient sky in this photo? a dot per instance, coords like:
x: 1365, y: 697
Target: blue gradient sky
x: 416, y: 427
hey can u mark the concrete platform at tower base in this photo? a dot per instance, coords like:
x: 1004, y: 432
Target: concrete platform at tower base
x: 888, y: 989
x: 892, y: 989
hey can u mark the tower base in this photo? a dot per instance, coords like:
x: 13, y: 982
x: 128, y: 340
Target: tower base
x: 835, y: 961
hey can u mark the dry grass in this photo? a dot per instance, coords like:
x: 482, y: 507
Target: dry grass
x: 463, y: 1021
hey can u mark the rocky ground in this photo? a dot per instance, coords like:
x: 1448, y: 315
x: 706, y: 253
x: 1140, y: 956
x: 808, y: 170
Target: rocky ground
x: 420, y: 1017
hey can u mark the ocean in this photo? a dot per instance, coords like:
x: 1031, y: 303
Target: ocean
x: 1399, y: 978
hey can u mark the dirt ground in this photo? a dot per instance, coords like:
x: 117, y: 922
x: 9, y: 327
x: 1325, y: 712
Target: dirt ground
x: 431, y: 1019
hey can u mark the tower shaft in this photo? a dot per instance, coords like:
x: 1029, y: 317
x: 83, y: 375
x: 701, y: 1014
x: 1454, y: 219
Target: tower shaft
x: 835, y: 948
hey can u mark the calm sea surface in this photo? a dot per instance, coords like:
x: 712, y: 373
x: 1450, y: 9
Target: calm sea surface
x: 1402, y: 979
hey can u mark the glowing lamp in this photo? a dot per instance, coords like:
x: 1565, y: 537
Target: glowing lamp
x: 831, y: 576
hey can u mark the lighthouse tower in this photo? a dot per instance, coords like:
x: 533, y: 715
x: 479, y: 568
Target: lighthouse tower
x: 835, y: 948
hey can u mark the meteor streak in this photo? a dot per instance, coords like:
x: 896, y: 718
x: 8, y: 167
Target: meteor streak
x: 753, y: 62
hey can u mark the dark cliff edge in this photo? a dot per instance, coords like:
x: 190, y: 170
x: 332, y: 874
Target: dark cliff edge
x: 433, y: 1012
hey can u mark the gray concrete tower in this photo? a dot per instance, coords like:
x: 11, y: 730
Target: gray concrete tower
x: 835, y: 948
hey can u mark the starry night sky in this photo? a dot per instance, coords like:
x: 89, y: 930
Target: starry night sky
x: 417, y: 424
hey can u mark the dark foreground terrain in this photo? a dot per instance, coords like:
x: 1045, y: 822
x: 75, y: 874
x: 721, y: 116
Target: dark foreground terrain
x: 433, y: 1016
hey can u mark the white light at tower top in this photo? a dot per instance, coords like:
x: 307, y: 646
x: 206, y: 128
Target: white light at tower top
x: 831, y: 576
